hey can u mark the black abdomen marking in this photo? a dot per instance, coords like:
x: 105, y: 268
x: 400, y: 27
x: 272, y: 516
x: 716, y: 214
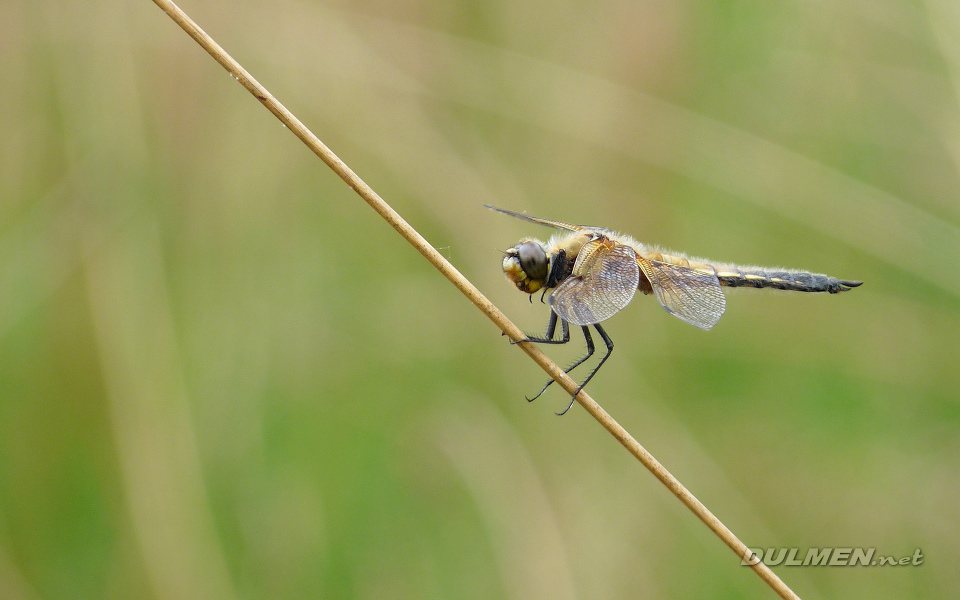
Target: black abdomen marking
x: 797, y: 281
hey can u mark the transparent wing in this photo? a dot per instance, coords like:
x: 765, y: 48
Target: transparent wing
x: 690, y: 295
x: 604, y: 280
x: 547, y: 222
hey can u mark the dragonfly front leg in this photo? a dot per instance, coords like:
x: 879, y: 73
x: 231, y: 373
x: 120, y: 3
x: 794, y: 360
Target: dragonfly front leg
x: 551, y: 331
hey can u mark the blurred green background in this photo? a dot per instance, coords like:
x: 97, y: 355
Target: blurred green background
x: 223, y: 376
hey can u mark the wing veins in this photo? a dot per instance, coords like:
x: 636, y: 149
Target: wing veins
x: 604, y: 280
x: 690, y: 295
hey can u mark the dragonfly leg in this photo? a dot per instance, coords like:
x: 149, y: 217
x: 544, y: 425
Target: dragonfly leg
x: 548, y: 339
x: 608, y: 343
x: 590, y: 350
x: 551, y: 331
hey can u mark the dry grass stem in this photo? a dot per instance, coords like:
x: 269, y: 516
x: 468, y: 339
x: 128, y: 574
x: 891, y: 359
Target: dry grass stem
x: 469, y: 290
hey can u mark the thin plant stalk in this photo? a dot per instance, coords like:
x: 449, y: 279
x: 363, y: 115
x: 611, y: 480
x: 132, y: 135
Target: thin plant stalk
x: 473, y: 294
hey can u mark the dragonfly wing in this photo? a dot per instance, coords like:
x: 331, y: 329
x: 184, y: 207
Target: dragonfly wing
x: 547, y: 222
x: 604, y: 280
x: 690, y: 295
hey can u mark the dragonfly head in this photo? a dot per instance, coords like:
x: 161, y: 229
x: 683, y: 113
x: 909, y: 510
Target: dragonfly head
x: 526, y: 265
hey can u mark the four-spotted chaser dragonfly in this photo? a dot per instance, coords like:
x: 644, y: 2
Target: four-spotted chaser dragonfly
x: 595, y: 272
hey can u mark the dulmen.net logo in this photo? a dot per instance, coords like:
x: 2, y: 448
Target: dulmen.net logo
x: 827, y: 557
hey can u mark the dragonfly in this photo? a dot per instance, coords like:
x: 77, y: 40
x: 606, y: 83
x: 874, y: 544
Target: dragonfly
x: 592, y: 273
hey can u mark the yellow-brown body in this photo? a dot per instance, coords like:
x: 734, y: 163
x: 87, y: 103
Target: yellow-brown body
x: 598, y: 258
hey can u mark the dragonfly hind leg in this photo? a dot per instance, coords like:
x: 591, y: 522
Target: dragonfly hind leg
x: 590, y: 349
x: 608, y: 343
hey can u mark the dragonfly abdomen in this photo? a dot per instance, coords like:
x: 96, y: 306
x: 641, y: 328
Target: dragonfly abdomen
x: 796, y: 281
x: 757, y: 277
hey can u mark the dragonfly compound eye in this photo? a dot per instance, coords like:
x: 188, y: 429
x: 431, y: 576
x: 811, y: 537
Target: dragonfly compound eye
x: 533, y: 260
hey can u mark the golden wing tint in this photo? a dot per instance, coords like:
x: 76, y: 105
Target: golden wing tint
x: 604, y: 280
x: 690, y: 295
